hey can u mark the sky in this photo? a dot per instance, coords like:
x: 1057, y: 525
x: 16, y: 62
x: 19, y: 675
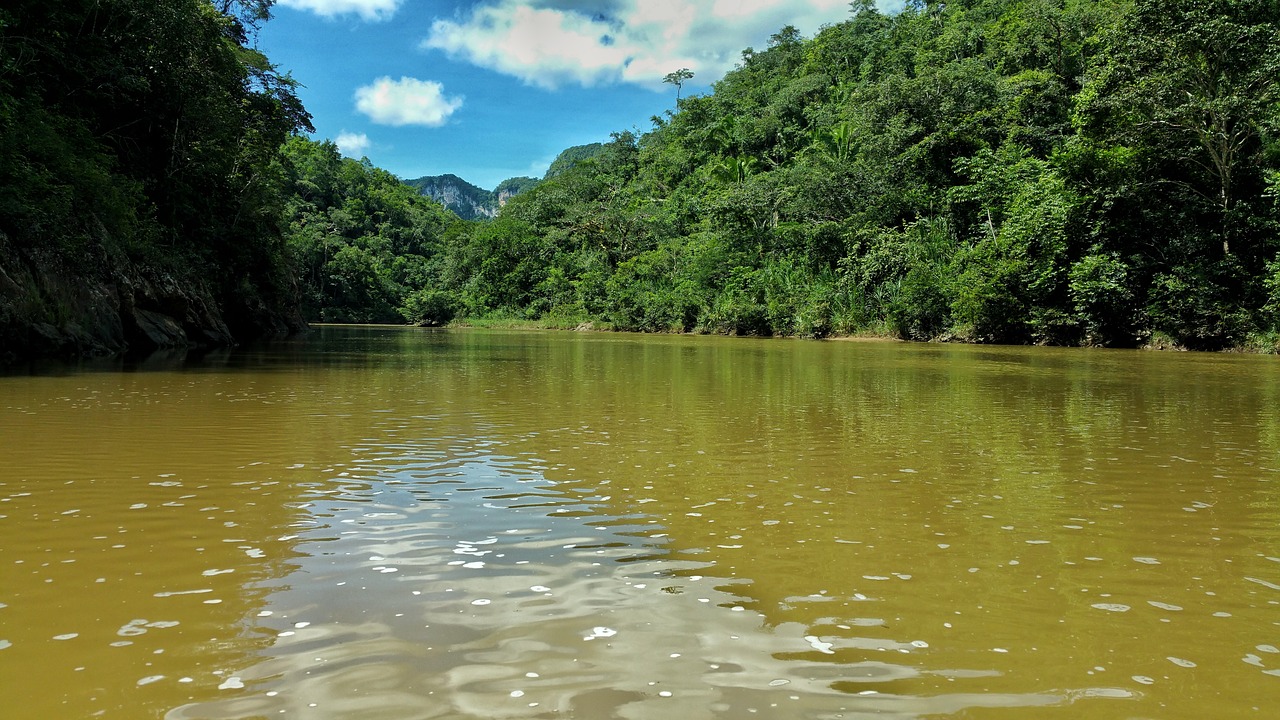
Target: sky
x: 493, y: 89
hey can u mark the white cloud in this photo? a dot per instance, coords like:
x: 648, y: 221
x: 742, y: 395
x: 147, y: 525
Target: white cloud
x: 407, y: 101
x: 550, y: 43
x: 542, y: 46
x: 366, y: 9
x: 353, y: 144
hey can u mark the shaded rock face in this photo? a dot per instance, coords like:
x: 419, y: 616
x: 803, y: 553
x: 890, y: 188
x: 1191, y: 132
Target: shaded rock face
x: 161, y: 312
x: 161, y: 330
x: 49, y: 308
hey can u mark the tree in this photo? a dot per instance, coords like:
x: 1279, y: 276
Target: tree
x: 677, y: 78
x: 1197, y: 82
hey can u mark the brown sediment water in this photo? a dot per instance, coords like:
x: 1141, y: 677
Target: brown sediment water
x: 402, y: 523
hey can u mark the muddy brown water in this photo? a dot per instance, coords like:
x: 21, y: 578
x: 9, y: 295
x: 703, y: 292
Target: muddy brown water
x: 401, y: 523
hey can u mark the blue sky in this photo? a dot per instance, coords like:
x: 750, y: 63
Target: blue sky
x: 492, y: 89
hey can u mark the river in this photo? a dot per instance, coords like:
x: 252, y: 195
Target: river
x: 404, y: 523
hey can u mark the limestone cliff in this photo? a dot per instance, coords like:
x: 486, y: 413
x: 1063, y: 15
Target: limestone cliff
x: 466, y: 200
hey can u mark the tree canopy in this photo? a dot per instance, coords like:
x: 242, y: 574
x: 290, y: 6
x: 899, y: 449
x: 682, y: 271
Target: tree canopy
x: 1050, y: 171
x: 1102, y: 172
x: 146, y: 133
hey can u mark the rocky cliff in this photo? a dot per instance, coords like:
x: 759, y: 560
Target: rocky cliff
x: 55, y: 306
x: 466, y: 200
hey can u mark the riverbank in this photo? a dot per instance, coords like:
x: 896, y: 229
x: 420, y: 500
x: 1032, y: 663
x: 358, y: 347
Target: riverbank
x: 1255, y: 343
x: 592, y: 326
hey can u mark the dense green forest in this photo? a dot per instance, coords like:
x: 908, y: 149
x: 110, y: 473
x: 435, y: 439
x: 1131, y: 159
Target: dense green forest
x: 1049, y: 171
x: 140, y: 181
x: 366, y: 246
x: 1102, y: 172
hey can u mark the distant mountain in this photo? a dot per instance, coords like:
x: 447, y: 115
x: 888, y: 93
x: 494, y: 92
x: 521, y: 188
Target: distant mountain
x: 470, y: 202
x: 466, y: 200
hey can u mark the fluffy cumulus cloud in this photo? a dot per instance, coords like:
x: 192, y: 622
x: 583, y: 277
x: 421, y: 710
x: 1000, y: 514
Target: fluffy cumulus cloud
x: 366, y: 9
x: 550, y: 43
x: 352, y: 144
x: 407, y: 101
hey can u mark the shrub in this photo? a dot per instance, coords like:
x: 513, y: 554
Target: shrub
x: 429, y: 307
x: 1100, y: 296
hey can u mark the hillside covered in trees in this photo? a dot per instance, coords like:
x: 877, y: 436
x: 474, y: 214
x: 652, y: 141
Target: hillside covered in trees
x: 1048, y: 171
x: 140, y: 184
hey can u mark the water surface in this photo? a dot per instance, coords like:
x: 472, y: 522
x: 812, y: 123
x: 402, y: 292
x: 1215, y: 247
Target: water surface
x: 396, y: 523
